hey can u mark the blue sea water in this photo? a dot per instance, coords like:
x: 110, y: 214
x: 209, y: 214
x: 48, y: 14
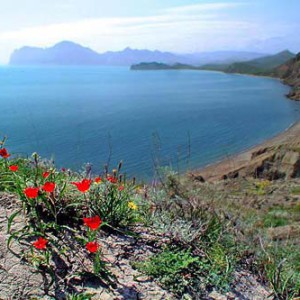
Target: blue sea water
x: 185, y: 119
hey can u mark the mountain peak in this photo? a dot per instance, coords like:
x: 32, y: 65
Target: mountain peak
x: 128, y: 49
x: 67, y: 44
x: 286, y: 51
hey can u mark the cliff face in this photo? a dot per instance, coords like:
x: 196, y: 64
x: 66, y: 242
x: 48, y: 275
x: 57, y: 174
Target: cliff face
x: 290, y: 73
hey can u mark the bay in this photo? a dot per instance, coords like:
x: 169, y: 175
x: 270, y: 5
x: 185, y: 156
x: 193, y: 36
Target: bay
x: 184, y: 119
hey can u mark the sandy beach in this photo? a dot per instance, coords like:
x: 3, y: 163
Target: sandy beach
x: 253, y: 155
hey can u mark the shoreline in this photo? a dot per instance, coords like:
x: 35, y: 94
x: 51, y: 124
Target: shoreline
x: 240, y: 161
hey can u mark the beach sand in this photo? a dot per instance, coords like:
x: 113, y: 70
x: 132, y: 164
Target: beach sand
x: 238, y: 162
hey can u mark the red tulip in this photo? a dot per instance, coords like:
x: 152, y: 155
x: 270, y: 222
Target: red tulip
x: 93, y: 222
x: 46, y: 174
x: 83, y: 186
x: 4, y: 153
x: 92, y: 247
x: 112, y: 179
x: 40, y: 243
x: 14, y: 168
x: 121, y: 188
x: 31, y: 192
x: 49, y: 187
x: 98, y: 179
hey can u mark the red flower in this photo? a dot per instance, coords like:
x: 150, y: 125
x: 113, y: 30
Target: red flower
x: 92, y: 247
x: 46, y: 174
x: 4, y: 153
x: 63, y: 169
x: 84, y: 185
x: 40, y: 243
x: 121, y: 188
x: 14, y: 168
x: 49, y: 187
x: 112, y: 179
x: 31, y: 192
x: 98, y: 179
x: 93, y: 222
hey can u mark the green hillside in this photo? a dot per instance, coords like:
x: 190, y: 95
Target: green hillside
x: 259, y: 66
x: 144, y: 66
x: 273, y: 61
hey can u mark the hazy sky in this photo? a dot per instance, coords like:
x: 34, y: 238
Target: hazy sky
x: 170, y: 25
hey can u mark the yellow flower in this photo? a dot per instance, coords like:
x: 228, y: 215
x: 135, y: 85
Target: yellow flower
x: 132, y: 205
x: 263, y: 184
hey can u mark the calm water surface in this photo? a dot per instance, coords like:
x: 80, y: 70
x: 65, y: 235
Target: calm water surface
x: 186, y: 119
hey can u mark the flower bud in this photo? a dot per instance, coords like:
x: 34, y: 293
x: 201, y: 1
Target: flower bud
x: 120, y: 165
x: 106, y: 169
x: 88, y: 170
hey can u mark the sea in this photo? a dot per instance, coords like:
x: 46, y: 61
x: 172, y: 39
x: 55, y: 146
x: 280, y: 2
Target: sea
x: 150, y: 120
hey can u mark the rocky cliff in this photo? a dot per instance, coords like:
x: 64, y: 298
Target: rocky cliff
x: 290, y: 74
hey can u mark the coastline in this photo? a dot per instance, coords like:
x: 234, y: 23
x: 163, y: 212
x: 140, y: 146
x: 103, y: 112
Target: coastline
x: 291, y: 86
x: 233, y: 164
x: 239, y: 162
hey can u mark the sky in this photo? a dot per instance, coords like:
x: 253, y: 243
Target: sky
x: 180, y: 26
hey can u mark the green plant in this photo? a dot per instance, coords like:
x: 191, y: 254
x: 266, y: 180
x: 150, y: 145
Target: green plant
x: 262, y: 187
x: 273, y: 221
x: 285, y: 286
x: 218, y: 266
x: 172, y: 267
x: 54, y: 212
x: 113, y: 200
x: 281, y: 264
x: 83, y: 296
x: 295, y: 190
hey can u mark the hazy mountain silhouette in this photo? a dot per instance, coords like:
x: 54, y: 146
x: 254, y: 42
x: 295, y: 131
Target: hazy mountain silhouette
x: 69, y: 53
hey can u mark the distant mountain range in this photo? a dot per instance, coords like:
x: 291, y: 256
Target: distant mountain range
x: 69, y: 53
x: 259, y: 66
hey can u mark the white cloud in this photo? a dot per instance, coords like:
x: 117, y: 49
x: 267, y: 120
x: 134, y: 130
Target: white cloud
x: 181, y: 29
x: 202, y: 7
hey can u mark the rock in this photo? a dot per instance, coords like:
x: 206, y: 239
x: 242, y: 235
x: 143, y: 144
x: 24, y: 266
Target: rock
x: 231, y: 175
x: 196, y: 177
x: 259, y: 152
x: 103, y: 296
x: 216, y: 296
x: 273, y: 164
x: 142, y: 278
x: 230, y: 296
x: 247, y: 286
x: 290, y: 164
